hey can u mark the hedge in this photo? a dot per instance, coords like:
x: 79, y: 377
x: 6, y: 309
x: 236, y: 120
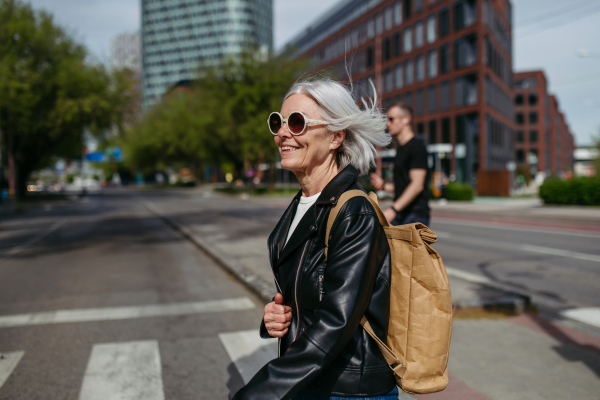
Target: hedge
x: 459, y: 192
x: 583, y: 191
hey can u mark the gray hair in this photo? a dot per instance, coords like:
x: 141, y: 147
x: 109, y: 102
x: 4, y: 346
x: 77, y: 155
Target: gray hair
x: 365, y: 129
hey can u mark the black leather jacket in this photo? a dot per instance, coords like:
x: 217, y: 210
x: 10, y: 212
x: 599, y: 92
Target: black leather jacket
x: 326, y: 349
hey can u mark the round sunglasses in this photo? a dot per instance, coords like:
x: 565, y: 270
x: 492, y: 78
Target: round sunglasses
x: 296, y: 122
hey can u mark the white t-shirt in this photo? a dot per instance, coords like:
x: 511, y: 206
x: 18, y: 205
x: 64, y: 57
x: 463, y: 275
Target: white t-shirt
x: 305, y: 204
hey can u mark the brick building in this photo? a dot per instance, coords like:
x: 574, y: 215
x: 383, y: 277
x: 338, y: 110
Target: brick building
x: 543, y: 139
x: 450, y: 59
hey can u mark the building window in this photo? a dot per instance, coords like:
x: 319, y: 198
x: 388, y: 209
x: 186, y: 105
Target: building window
x: 465, y: 90
x: 519, y: 118
x: 520, y: 136
x: 446, y: 130
x: 388, y: 80
x: 409, y: 73
x: 388, y: 18
x: 533, y: 99
x: 420, y: 101
x: 533, y: 136
x: 418, y: 5
x: 398, y: 13
x: 464, y: 14
x: 419, y: 35
x: 431, y: 29
x: 378, y: 23
x: 431, y: 98
x: 399, y: 76
x: 370, y: 57
x: 519, y: 99
x: 397, y: 44
x: 444, y: 59
x: 444, y: 22
x: 465, y: 51
x: 420, y: 68
x: 370, y: 28
x: 445, y: 97
x: 407, y: 40
x: 533, y: 117
x: 526, y: 83
x: 520, y: 156
x: 432, y: 63
x: 387, y: 51
x: 408, y: 100
x: 432, y: 132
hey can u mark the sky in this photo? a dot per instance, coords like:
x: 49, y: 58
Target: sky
x: 548, y: 35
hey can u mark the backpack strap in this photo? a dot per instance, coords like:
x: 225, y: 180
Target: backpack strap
x: 393, y: 361
x: 350, y: 194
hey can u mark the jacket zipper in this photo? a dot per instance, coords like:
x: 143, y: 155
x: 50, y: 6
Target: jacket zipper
x: 296, y: 283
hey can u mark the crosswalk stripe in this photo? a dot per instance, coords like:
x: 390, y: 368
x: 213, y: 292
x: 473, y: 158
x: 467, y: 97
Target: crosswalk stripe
x: 561, y: 253
x: 123, y: 371
x: 587, y: 315
x: 248, y: 351
x: 8, y: 362
x: 117, y: 313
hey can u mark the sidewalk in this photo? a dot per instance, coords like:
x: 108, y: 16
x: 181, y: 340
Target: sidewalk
x: 524, y: 357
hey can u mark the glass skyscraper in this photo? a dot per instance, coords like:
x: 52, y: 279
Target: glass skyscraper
x: 181, y: 36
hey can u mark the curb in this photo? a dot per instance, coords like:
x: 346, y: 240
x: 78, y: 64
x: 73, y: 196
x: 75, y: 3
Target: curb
x: 252, y: 281
x: 512, y: 300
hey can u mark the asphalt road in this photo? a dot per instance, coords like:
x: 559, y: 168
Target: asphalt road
x: 97, y: 293
x: 145, y: 309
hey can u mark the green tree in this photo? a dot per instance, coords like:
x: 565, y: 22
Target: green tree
x: 597, y: 160
x: 50, y: 93
x: 221, y: 120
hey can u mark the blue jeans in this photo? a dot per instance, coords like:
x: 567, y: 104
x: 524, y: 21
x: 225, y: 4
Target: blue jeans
x: 410, y: 219
x: 310, y: 395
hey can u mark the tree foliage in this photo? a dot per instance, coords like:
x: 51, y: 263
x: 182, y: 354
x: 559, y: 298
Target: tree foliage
x: 49, y: 92
x: 221, y: 120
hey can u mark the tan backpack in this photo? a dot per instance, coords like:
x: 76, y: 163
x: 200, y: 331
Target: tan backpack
x: 420, y: 324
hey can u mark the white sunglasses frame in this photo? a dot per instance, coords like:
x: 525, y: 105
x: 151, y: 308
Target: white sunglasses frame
x: 284, y: 121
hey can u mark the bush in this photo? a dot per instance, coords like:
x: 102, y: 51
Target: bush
x: 459, y: 192
x: 583, y: 191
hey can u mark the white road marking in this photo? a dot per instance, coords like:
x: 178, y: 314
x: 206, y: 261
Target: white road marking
x: 561, y: 253
x: 32, y: 240
x: 442, y: 235
x: 8, y: 362
x: 248, y: 351
x: 494, y: 225
x: 467, y: 276
x: 117, y: 313
x: 123, y: 371
x: 588, y: 315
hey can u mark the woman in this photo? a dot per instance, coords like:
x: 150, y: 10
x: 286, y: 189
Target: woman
x: 326, y: 140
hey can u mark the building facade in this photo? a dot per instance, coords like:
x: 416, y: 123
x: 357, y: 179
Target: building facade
x: 179, y: 37
x: 543, y: 139
x: 451, y: 60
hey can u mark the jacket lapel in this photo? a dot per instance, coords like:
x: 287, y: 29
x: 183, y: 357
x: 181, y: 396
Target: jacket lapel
x: 277, y: 237
x: 308, y: 224
x: 305, y: 228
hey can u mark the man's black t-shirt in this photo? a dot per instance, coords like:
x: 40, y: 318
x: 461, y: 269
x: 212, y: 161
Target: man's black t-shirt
x: 413, y: 155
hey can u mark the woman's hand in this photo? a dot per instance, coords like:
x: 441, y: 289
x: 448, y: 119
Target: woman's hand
x: 277, y: 317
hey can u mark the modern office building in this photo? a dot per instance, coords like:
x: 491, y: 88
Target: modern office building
x: 179, y: 37
x: 451, y: 60
x: 544, y: 141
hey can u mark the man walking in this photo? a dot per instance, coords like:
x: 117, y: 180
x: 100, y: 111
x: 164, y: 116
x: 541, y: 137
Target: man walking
x: 410, y: 171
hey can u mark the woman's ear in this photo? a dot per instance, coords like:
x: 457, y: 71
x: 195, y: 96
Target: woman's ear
x: 337, y: 139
